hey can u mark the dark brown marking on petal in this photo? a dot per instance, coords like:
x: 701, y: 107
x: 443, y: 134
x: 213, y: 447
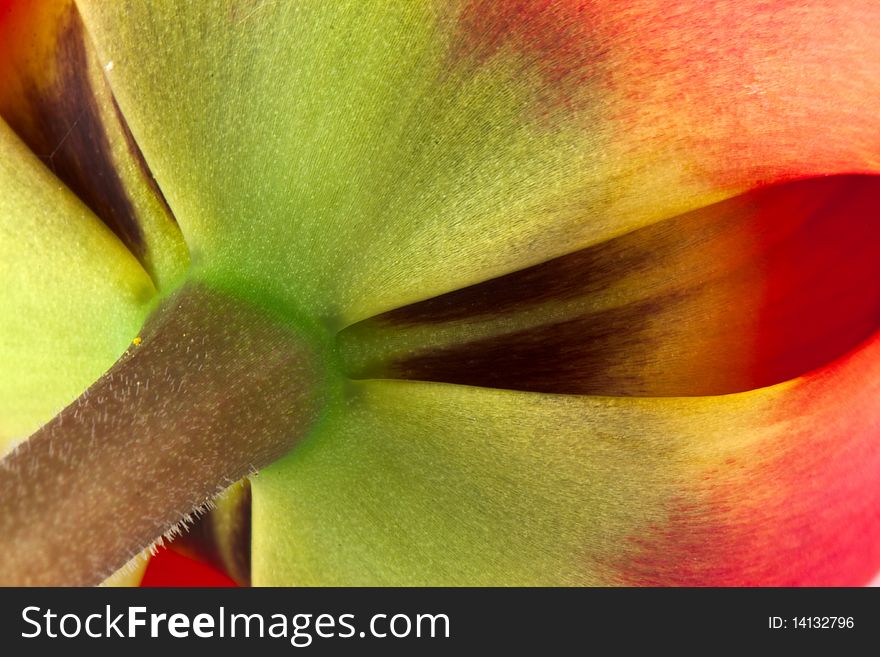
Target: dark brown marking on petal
x: 141, y: 161
x: 742, y: 294
x: 576, y: 356
x: 564, y: 278
x: 68, y: 135
x: 222, y: 537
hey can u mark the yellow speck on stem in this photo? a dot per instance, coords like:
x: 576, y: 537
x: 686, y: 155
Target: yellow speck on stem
x: 136, y: 341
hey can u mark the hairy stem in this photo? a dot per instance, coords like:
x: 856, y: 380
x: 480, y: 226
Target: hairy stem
x: 212, y: 391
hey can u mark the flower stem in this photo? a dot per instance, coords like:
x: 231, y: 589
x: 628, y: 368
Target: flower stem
x: 212, y: 391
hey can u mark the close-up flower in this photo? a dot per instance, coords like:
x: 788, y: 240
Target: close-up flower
x: 441, y: 292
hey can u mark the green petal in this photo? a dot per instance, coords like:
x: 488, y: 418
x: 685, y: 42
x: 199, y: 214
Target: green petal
x: 436, y: 484
x: 72, y: 296
x: 352, y: 157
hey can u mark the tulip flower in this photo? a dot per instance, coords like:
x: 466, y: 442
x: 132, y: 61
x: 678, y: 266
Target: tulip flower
x: 582, y: 292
